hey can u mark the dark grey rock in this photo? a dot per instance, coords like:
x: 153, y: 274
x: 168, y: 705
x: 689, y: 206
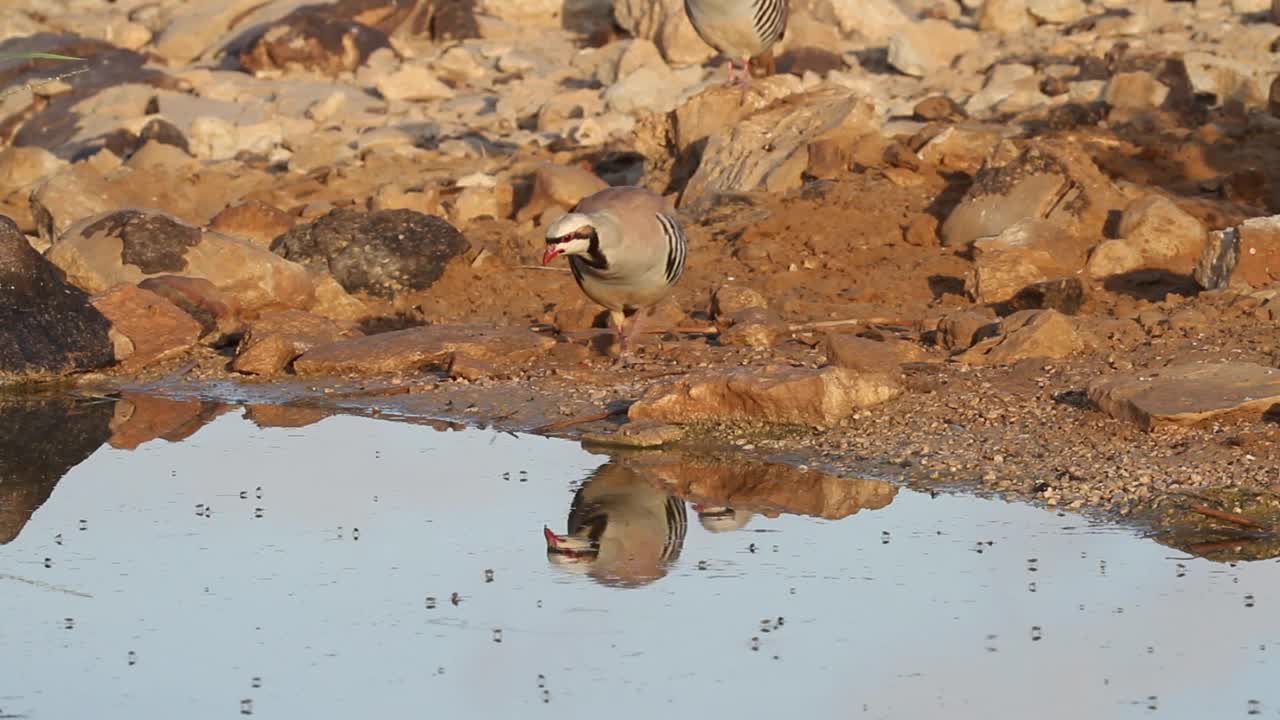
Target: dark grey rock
x: 310, y: 39
x: 155, y: 243
x: 1066, y: 295
x: 380, y: 253
x: 47, y: 326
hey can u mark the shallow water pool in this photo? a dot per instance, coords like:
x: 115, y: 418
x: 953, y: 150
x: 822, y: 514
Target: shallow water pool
x: 211, y: 568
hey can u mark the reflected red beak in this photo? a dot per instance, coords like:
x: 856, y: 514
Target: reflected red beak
x: 553, y: 540
x: 551, y: 254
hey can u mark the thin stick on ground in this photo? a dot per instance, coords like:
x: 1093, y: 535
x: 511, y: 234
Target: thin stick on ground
x: 823, y: 324
x: 579, y: 420
x: 1226, y: 517
x: 31, y: 85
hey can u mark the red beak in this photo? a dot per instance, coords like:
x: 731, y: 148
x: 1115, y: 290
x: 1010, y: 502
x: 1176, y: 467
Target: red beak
x: 551, y: 254
x: 553, y: 540
x: 699, y: 507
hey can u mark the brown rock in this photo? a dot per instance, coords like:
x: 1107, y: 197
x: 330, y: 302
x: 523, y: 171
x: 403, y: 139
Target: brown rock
x: 927, y: 45
x: 937, y: 108
x: 637, y: 435
x: 276, y: 338
x: 1187, y: 394
x: 253, y: 220
x: 1005, y: 16
x: 1025, y: 253
x: 764, y: 487
x: 962, y: 148
x: 755, y: 327
x: 201, y: 299
x: 1163, y: 234
x: 128, y: 246
x: 577, y: 316
x: 706, y: 114
x: 921, y: 230
x: 820, y: 398
x: 1026, y: 334
x: 1050, y: 180
x: 335, y: 303
x: 156, y: 328
x: 464, y: 367
x: 728, y: 300
x: 1113, y: 257
x: 845, y: 350
x: 1138, y: 90
x: 959, y: 330
x: 421, y: 347
x: 559, y: 186
x: 22, y: 168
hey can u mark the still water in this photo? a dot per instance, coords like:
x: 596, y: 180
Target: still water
x: 183, y: 560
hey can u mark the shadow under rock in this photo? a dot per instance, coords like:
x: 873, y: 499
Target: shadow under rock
x: 1152, y: 284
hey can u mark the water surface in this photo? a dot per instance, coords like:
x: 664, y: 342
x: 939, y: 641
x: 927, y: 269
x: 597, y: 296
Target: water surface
x: 165, y: 559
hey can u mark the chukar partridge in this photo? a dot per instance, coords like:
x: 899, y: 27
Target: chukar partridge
x: 720, y: 519
x: 622, y: 529
x: 626, y: 251
x: 741, y: 29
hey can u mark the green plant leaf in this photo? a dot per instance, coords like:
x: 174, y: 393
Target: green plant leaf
x: 36, y: 56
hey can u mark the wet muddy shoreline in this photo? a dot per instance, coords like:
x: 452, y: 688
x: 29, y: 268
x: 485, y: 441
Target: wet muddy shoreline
x: 1205, y: 516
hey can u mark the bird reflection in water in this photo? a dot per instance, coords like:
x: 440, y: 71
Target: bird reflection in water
x: 718, y: 518
x: 623, y: 530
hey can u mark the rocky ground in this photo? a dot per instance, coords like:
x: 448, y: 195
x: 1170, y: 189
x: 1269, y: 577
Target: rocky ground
x: 1031, y: 246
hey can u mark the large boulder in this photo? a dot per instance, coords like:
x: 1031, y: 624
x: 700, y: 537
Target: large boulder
x: 276, y: 338
x: 128, y: 246
x: 48, y: 327
x: 1187, y: 394
x: 803, y: 396
x: 381, y: 253
x: 145, y: 327
x: 769, y: 150
x: 1050, y: 180
x: 1154, y: 233
x: 1027, y: 334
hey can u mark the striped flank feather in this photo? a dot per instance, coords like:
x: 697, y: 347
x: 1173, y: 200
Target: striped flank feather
x: 677, y: 247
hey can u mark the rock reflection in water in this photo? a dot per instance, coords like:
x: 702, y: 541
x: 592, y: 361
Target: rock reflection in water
x: 769, y: 489
x: 40, y: 440
x: 627, y: 521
